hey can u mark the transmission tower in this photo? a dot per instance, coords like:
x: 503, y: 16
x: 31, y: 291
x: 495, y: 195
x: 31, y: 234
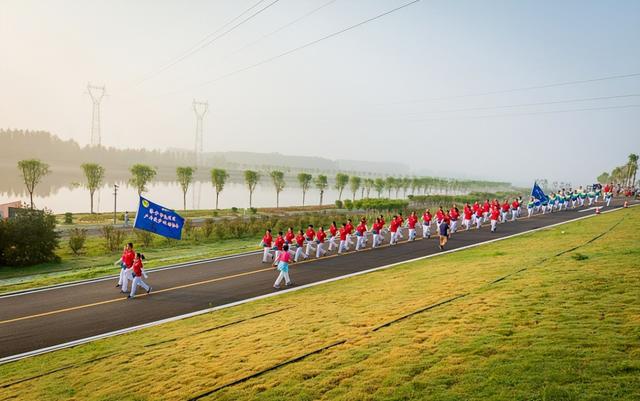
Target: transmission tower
x: 96, y: 93
x: 200, y: 108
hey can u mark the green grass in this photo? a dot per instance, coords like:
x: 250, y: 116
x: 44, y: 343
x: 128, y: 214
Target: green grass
x: 553, y: 328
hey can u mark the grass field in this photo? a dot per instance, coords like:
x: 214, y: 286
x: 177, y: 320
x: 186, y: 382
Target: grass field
x: 526, y: 325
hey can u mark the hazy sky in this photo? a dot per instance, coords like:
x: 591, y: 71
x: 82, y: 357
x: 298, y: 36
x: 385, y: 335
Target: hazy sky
x: 394, y: 89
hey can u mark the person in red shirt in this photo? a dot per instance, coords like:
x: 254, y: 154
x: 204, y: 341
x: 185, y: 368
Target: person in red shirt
x: 266, y: 244
x: 495, y: 215
x: 125, y: 262
x: 344, y: 244
x: 289, y: 236
x: 333, y: 236
x: 278, y: 245
x: 486, y: 207
x: 468, y: 215
x: 454, y: 215
x: 426, y: 224
x: 412, y: 220
x: 400, y: 220
x: 393, y: 228
x: 310, y: 236
x: 361, y: 230
x: 320, y: 236
x: 299, y: 238
x: 375, y: 229
x: 505, y: 209
x: 350, y: 230
x: 383, y: 230
x: 439, y: 217
x: 138, y: 272
x: 515, y: 208
x: 478, y: 217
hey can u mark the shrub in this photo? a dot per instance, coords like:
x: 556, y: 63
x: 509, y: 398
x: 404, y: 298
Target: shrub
x: 253, y: 210
x: 208, y: 227
x: 187, y: 227
x: 77, y: 237
x: 144, y: 237
x: 28, y: 239
x: 215, y: 213
x: 348, y: 204
x: 234, y: 209
x: 338, y: 203
x: 68, y: 218
x: 113, y: 237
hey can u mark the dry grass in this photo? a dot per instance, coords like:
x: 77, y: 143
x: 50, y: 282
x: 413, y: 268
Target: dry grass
x: 562, y: 329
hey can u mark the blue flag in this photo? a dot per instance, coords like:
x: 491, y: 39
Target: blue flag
x: 159, y: 220
x: 538, y: 193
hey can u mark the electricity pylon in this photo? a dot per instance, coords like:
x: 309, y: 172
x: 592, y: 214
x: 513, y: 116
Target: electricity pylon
x: 200, y: 108
x: 96, y: 93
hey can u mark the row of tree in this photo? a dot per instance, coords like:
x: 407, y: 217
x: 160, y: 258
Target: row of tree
x: 624, y: 175
x: 34, y: 170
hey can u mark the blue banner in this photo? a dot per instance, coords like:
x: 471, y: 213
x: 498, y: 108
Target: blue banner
x: 538, y: 193
x: 159, y: 220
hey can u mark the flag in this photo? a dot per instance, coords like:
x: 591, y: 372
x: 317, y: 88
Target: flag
x: 538, y: 193
x: 159, y: 220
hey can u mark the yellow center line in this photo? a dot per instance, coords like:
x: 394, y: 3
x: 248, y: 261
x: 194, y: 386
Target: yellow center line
x: 213, y: 280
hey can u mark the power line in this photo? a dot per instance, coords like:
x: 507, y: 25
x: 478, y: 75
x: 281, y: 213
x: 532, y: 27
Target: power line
x: 535, y: 113
x: 212, y: 38
x: 587, y: 99
x: 526, y: 88
x: 295, y: 49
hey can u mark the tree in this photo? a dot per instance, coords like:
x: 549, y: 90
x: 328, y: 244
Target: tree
x: 633, y: 168
x: 354, y: 184
x: 305, y: 182
x: 406, y: 183
x: 29, y: 238
x: 322, y: 184
x: 251, y: 178
x: 368, y: 185
x: 603, y: 178
x: 389, y: 184
x: 141, y: 175
x: 32, y: 172
x: 341, y: 181
x: 95, y: 174
x: 185, y: 178
x: 379, y: 186
x: 219, y: 178
x: 278, y: 183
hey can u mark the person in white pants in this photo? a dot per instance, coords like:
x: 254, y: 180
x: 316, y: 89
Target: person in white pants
x: 300, y: 254
x: 426, y: 224
x: 310, y: 237
x: 138, y: 272
x: 333, y: 238
x: 266, y: 242
x: 125, y: 262
x: 361, y: 231
x: 479, y: 214
x: 344, y: 243
x: 282, y: 261
x: 320, y: 236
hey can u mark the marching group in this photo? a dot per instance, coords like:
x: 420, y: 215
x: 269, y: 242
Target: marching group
x: 296, y: 246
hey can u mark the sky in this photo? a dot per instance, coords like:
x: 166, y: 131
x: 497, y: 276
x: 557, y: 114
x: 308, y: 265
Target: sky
x: 440, y: 86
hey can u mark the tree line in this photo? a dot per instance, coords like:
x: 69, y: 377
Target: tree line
x: 624, y: 175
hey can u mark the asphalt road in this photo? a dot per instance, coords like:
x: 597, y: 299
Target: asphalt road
x: 35, y: 320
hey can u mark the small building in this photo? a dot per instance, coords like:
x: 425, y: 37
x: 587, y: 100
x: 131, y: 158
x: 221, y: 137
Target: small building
x: 7, y: 210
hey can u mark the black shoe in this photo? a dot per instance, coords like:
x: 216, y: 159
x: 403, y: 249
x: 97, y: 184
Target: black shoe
x: 149, y: 290
x: 441, y: 247
x: 129, y: 297
x: 117, y: 285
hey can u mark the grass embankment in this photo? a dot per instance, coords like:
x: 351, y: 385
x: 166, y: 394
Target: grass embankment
x: 565, y: 328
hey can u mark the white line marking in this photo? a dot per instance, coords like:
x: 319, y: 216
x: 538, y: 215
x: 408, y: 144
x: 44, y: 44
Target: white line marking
x: 13, y: 358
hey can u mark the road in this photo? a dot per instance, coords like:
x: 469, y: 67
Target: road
x: 34, y: 320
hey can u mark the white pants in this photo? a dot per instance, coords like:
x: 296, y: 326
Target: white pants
x: 349, y: 240
x: 281, y: 276
x: 333, y: 242
x: 394, y: 238
x: 266, y: 255
x: 376, y: 240
x: 121, y: 278
x: 485, y: 217
x: 300, y: 254
x: 127, y: 274
x: 514, y: 214
x: 454, y: 226
x: 310, y: 248
x: 609, y: 200
x: 466, y: 223
x: 137, y: 281
x: 399, y: 233
x: 493, y: 225
x: 426, y: 230
x: 344, y: 246
x: 530, y: 210
x: 504, y: 216
x: 360, y: 242
x: 478, y: 222
x: 320, y: 250
x: 412, y: 234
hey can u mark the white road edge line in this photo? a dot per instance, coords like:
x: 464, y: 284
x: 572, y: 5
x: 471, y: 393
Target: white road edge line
x: 70, y: 344
x: 111, y: 277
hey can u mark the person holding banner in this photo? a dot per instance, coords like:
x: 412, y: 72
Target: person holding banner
x: 138, y: 272
x: 282, y: 261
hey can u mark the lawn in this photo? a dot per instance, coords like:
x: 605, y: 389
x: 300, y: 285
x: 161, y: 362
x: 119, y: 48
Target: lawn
x: 551, y: 315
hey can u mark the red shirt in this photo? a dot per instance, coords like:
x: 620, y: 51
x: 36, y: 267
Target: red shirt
x: 137, y: 268
x: 454, y: 214
x: 447, y: 219
x: 439, y: 215
x: 333, y: 230
x: 426, y: 217
x: 310, y: 234
x: 300, y: 239
x: 486, y: 206
x: 289, y: 236
x: 382, y: 223
x: 320, y: 236
x: 267, y: 239
x: 127, y: 257
x: 400, y: 220
x: 412, y: 220
x: 467, y: 213
x: 495, y: 212
x: 515, y: 204
x: 279, y: 242
x: 479, y: 212
x: 343, y: 234
x: 476, y: 207
x: 349, y: 228
x: 361, y: 228
x: 505, y: 207
x: 393, y: 226
x: 376, y: 227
